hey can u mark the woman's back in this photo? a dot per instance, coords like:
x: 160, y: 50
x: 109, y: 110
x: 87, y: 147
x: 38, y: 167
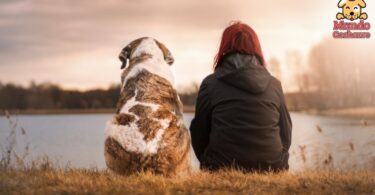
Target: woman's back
x: 240, y: 117
x: 246, y: 106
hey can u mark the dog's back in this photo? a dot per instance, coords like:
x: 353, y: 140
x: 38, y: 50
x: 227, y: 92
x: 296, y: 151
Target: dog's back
x: 147, y: 133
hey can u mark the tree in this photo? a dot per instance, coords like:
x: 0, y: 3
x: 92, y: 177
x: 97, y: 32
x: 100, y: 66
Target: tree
x: 341, y: 71
x: 275, y: 67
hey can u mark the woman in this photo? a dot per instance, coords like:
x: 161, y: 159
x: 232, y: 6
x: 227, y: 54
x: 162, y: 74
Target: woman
x: 241, y: 119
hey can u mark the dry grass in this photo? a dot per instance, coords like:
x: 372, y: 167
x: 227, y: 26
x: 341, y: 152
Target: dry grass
x: 225, y: 182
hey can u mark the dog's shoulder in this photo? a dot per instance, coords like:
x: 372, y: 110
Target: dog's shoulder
x: 148, y: 67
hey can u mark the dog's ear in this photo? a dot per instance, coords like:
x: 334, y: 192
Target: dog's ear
x: 167, y: 54
x: 125, y: 55
x: 362, y: 3
x: 341, y: 3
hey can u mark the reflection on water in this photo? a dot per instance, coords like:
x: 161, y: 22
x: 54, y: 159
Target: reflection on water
x: 317, y: 141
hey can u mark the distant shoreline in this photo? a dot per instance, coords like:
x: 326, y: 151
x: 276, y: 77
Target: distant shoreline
x: 187, y: 109
x: 358, y: 113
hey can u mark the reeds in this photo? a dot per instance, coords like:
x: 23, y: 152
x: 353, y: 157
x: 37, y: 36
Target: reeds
x: 10, y: 157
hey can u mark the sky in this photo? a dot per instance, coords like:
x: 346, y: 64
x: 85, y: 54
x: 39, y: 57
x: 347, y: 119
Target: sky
x: 76, y: 43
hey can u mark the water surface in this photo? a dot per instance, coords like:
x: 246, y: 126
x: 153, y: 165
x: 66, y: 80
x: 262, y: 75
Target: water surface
x: 78, y: 140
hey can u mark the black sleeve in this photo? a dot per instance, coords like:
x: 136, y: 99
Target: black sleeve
x: 285, y: 127
x: 285, y: 124
x: 201, y: 124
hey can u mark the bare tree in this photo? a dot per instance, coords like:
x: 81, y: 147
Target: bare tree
x: 275, y: 67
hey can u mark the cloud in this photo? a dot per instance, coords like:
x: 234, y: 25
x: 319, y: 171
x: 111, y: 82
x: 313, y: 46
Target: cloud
x: 42, y: 28
x: 65, y: 35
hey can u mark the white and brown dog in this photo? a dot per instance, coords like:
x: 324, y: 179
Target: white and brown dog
x: 147, y: 133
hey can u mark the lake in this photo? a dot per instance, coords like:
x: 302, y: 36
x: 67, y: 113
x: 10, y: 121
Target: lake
x: 77, y: 140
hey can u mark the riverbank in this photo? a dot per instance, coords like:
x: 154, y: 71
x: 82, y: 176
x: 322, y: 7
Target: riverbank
x: 224, y: 182
x: 365, y: 113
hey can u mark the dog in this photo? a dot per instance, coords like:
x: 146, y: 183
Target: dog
x: 351, y: 10
x: 147, y: 132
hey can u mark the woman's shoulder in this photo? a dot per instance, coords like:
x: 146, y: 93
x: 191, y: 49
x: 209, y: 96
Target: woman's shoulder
x: 209, y: 79
x: 207, y: 84
x: 276, y: 82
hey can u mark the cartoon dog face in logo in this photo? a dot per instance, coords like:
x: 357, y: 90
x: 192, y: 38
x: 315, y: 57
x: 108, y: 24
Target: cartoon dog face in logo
x: 351, y: 10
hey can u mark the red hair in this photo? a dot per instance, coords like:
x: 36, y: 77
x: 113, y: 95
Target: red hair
x: 239, y: 38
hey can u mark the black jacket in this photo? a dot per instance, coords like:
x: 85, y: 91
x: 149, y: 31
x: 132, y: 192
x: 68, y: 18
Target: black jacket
x: 241, y: 118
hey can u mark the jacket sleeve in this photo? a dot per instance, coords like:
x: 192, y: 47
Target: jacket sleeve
x: 201, y: 124
x: 285, y: 124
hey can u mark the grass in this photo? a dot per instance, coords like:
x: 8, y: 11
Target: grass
x: 31, y: 181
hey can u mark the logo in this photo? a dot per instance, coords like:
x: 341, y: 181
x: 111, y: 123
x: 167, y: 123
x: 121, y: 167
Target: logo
x: 350, y: 23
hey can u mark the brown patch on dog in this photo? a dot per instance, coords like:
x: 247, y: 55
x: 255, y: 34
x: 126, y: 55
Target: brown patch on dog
x: 146, y: 124
x: 140, y: 59
x: 148, y: 127
x: 124, y: 119
x: 151, y: 89
x: 166, y: 53
x: 163, y: 114
x: 155, y: 89
x: 117, y: 159
x: 140, y: 110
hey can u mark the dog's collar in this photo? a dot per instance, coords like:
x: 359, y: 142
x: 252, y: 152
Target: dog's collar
x: 140, y: 58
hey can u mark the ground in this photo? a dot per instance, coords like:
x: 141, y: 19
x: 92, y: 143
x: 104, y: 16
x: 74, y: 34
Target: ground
x: 224, y: 182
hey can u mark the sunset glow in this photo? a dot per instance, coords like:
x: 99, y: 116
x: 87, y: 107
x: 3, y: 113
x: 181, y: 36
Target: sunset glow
x: 75, y: 44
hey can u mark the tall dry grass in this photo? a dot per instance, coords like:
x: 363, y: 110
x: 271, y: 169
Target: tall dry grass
x: 222, y: 182
x: 10, y: 157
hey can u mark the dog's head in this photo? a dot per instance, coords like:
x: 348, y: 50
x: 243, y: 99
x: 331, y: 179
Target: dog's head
x: 145, y: 46
x: 352, y: 9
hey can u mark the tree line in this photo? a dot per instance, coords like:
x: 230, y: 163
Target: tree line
x: 52, y: 96
x: 339, y: 74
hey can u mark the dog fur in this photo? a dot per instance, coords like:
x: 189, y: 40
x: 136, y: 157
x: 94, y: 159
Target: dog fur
x: 351, y: 10
x: 147, y: 133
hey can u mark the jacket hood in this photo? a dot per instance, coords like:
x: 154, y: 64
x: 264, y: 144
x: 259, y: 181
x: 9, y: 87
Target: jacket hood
x: 245, y: 72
